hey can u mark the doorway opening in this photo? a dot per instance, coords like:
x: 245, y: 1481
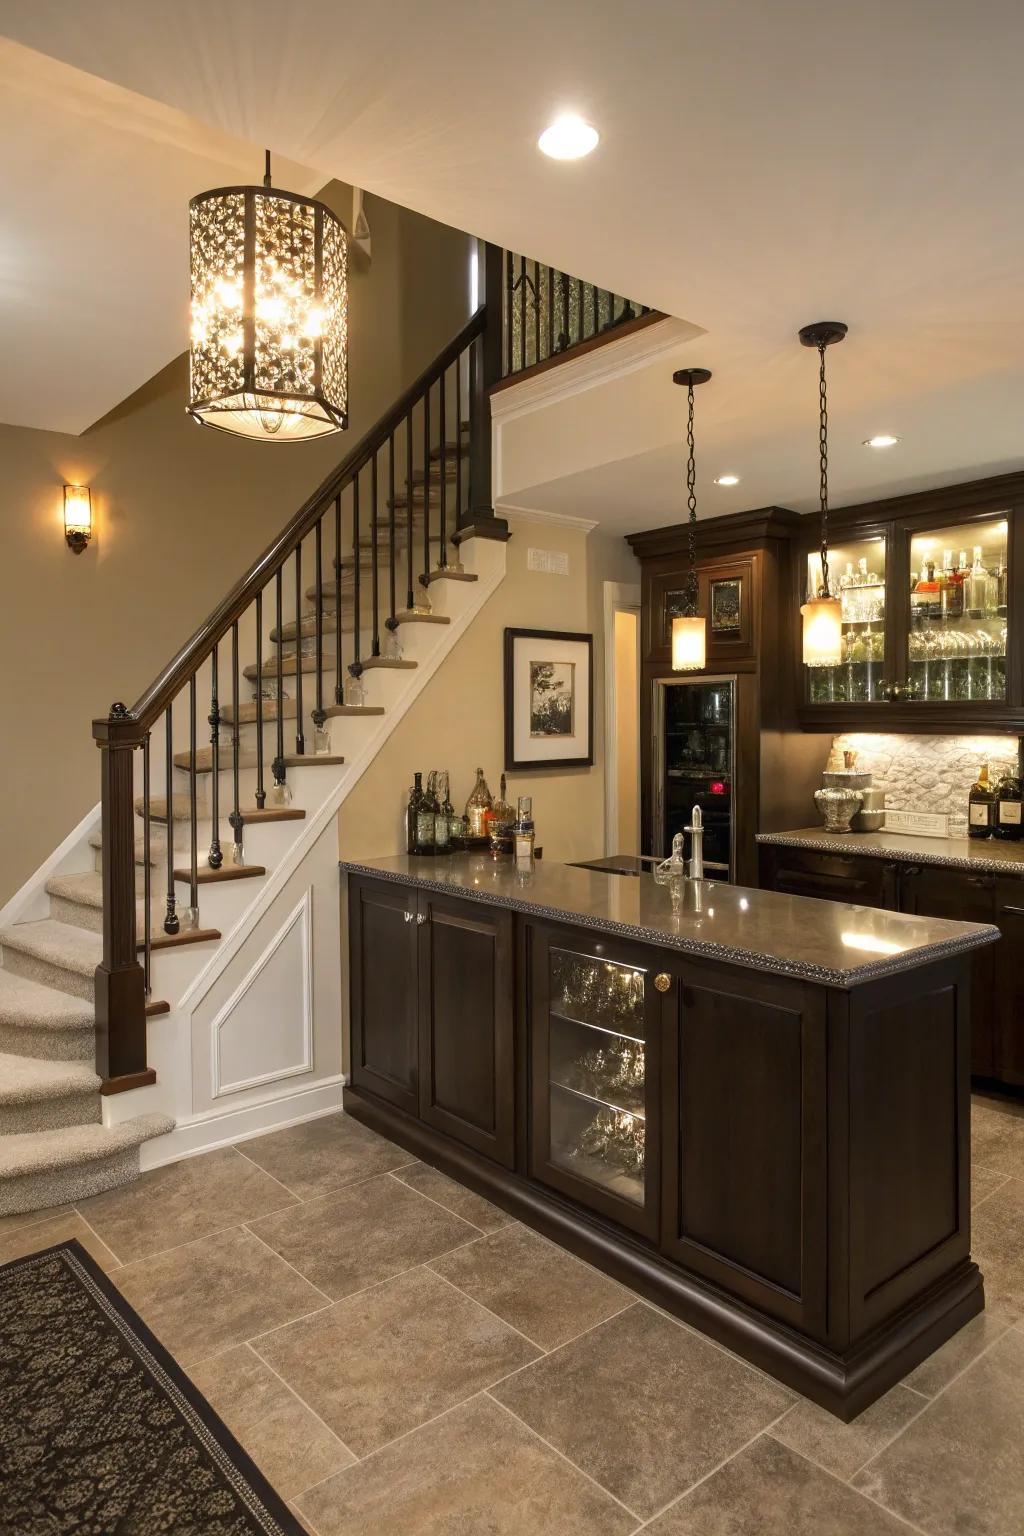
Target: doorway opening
x: 622, y: 718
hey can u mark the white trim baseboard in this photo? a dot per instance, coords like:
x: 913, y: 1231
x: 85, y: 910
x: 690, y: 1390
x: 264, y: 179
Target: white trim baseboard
x: 221, y: 1128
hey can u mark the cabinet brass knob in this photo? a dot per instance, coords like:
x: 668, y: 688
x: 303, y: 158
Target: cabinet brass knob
x: 663, y: 981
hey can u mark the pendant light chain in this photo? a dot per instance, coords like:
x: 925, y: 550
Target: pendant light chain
x: 691, y: 502
x: 823, y: 455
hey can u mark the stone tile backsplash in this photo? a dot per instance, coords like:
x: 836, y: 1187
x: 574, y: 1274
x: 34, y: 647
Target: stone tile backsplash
x: 929, y: 773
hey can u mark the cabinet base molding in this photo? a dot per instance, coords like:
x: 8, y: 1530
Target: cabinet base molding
x: 843, y: 1384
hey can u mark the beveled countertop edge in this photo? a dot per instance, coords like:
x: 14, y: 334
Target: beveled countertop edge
x: 800, y: 970
x: 849, y: 842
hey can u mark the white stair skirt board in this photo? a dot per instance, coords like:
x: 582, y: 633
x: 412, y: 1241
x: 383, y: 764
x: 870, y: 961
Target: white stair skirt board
x: 248, y: 1075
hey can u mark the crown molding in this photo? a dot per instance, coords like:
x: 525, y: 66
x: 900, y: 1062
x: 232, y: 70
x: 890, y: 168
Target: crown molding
x: 535, y: 515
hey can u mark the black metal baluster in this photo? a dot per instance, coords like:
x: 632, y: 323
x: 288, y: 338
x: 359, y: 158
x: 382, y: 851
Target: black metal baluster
x: 551, y: 311
x: 563, y: 335
x: 235, y: 818
x: 339, y: 691
x: 411, y: 593
x: 171, y: 923
x: 374, y: 571
x: 511, y: 365
x: 216, y: 857
x: 594, y: 314
x: 319, y: 717
x: 356, y: 665
x: 458, y: 440
x: 442, y: 558
x: 277, y: 766
x: 391, y: 622
x: 300, y: 719
x: 193, y: 808
x: 425, y: 578
x: 522, y: 307
x: 147, y: 876
x: 261, y: 793
x: 579, y: 309
x: 536, y: 311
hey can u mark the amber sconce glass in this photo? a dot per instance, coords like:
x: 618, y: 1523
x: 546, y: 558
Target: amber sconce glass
x: 77, y: 516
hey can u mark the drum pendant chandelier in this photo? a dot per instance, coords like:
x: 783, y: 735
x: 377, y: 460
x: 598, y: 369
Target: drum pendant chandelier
x: 269, y: 348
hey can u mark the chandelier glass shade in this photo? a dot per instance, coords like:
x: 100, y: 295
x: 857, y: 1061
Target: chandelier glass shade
x: 269, y: 345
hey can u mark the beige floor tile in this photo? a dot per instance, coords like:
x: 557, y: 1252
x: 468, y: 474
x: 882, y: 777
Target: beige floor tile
x: 220, y: 1291
x: 477, y: 1472
x: 59, y: 1229
x: 997, y: 1245
x: 959, y: 1468
x: 285, y: 1439
x: 844, y: 1448
x: 935, y: 1373
x: 997, y: 1136
x: 324, y: 1154
x: 768, y: 1490
x: 182, y: 1202
x: 29, y: 1218
x: 984, y: 1182
x: 386, y: 1361
x: 454, y: 1197
x: 644, y: 1406
x: 538, y: 1288
x: 347, y: 1241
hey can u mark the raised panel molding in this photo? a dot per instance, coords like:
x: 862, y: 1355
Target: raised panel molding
x: 267, y: 1022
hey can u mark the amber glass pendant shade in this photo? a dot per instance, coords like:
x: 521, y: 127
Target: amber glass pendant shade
x: 823, y: 631
x: 269, y: 346
x: 689, y: 643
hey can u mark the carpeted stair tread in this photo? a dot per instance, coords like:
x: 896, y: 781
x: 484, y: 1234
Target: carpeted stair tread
x: 71, y: 1145
x: 157, y: 846
x: 85, y: 888
x: 24, y: 1079
x: 60, y: 944
x: 29, y: 1004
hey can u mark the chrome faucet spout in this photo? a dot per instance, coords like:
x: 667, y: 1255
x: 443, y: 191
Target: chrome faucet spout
x: 696, y: 831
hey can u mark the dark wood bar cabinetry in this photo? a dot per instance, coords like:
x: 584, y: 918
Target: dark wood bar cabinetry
x: 750, y: 1107
x: 977, y: 888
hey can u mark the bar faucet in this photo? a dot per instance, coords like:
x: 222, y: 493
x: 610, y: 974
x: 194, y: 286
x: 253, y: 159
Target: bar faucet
x: 696, y: 831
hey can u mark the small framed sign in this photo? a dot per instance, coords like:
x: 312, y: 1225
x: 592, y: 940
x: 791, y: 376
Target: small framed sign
x: 726, y: 598
x: 549, y: 699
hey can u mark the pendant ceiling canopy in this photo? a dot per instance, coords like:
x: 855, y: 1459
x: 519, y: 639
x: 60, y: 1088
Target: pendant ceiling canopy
x: 269, y: 349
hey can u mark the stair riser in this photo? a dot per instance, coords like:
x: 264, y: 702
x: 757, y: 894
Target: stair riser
x: 50, y: 1114
x: 61, y: 1186
x: 48, y: 1044
x: 48, y: 975
x: 76, y: 913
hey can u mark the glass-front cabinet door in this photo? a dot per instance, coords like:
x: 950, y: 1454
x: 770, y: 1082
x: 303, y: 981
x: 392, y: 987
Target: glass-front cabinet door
x: 857, y: 570
x: 592, y: 1076
x: 958, y: 613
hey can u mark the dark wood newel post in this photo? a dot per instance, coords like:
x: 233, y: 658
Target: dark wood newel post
x: 120, y: 980
x: 484, y: 371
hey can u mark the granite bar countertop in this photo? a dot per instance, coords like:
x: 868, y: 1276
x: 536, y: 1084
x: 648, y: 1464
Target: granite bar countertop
x: 982, y: 856
x: 830, y: 942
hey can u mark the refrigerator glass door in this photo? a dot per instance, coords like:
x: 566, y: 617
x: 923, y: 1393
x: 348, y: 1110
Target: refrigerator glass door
x: 695, y: 765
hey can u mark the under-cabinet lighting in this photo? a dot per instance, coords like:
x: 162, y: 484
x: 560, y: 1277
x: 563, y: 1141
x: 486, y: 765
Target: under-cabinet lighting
x: 568, y: 138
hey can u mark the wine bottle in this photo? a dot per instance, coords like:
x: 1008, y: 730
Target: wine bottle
x: 981, y: 806
x: 423, y: 843
x: 412, y: 813
x: 442, y: 819
x: 1008, y: 825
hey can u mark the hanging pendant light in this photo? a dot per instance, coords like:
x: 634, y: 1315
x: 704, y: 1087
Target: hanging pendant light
x: 269, y: 352
x: 823, y: 614
x: 689, y: 630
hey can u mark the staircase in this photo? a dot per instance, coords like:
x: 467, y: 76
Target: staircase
x: 218, y: 782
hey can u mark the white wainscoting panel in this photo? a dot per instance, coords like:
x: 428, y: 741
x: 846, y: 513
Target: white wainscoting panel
x: 264, y: 1032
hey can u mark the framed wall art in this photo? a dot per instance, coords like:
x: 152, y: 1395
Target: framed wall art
x: 549, y: 699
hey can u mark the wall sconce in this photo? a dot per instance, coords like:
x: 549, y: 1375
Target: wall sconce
x: 77, y: 516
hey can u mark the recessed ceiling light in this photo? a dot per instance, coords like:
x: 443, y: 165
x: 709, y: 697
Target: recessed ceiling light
x: 881, y: 440
x: 727, y: 479
x: 568, y: 138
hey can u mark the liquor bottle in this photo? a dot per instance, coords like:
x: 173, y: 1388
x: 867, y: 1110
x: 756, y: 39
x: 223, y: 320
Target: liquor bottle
x: 478, y: 806
x: 523, y: 833
x: 424, y: 838
x: 502, y: 820
x: 412, y: 813
x: 1002, y: 588
x: 1008, y: 804
x: 924, y: 600
x: 981, y: 806
x: 442, y: 814
x: 951, y: 591
x: 846, y: 579
x: 976, y: 588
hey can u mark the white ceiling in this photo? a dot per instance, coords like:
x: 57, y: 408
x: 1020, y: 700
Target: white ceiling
x: 762, y: 165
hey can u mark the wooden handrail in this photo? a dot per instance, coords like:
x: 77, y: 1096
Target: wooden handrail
x: 129, y: 726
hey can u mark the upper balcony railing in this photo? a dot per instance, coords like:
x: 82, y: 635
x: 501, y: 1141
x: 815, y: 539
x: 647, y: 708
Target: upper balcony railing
x: 547, y: 313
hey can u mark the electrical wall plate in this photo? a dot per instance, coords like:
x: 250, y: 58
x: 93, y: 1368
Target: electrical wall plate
x: 921, y: 823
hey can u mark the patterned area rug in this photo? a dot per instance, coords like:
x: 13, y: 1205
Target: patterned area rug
x: 101, y: 1433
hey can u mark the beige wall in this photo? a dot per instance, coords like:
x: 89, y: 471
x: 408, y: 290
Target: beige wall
x: 457, y: 722
x: 180, y: 512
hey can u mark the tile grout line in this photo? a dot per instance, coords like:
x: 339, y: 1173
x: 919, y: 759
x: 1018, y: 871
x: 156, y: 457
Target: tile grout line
x: 305, y: 1278
x: 393, y: 1174
x: 190, y: 1242
x: 490, y: 1313
x: 715, y: 1469
x: 320, y: 1194
x: 254, y: 1164
x: 568, y: 1461
x: 722, y: 1349
x: 926, y: 1403
x: 102, y: 1241
x: 550, y: 1352
x: 378, y: 1450
x: 857, y: 1492
x: 310, y: 1409
x: 1005, y: 1179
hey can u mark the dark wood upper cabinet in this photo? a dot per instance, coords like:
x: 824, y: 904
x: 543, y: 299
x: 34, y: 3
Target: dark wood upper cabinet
x: 466, y: 993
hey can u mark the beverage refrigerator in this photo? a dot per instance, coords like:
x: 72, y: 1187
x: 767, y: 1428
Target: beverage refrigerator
x: 694, y: 761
